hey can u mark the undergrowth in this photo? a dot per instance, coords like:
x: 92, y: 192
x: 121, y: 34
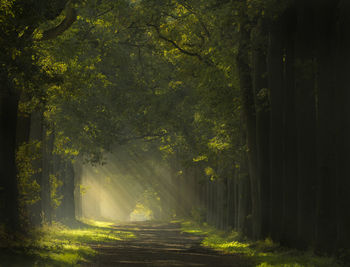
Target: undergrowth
x: 263, y: 253
x: 57, y: 245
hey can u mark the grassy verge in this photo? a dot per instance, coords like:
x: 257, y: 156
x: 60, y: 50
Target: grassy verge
x: 263, y: 253
x: 58, y: 245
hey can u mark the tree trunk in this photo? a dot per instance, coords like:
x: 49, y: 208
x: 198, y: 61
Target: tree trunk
x: 290, y: 230
x: 306, y: 123
x: 68, y: 197
x: 66, y: 210
x: 275, y: 70
x: 326, y: 153
x: 260, y: 85
x: 9, y: 186
x: 23, y: 129
x: 77, y: 190
x: 343, y: 125
x: 47, y: 148
x: 36, y: 135
x: 248, y: 107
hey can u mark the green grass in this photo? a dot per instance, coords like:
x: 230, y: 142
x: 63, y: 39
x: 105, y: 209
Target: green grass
x: 58, y: 245
x: 263, y: 253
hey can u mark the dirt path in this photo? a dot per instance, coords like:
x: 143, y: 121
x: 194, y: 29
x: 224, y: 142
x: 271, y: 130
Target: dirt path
x: 161, y: 245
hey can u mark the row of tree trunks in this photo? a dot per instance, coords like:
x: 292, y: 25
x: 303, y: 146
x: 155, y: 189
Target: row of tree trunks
x: 32, y: 130
x: 66, y: 210
x: 9, y: 97
x: 222, y: 202
x: 308, y: 84
x: 298, y: 137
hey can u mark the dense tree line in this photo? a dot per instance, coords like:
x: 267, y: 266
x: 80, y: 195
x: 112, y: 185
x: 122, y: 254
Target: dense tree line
x: 294, y: 111
x: 245, y: 101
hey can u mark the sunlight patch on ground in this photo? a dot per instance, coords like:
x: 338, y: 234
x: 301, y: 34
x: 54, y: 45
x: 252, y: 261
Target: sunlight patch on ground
x: 264, y: 253
x: 97, y: 223
x: 59, y: 245
x: 70, y: 246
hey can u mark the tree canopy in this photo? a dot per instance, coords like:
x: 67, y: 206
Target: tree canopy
x: 244, y: 103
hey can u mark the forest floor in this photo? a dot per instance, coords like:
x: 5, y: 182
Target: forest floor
x: 162, y: 244
x: 177, y: 243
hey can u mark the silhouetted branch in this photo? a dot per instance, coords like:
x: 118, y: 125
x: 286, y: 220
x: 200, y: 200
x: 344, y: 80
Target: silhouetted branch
x: 70, y: 18
x: 150, y: 136
x: 182, y: 50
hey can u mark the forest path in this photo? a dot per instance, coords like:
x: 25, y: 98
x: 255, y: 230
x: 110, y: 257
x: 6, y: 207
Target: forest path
x: 161, y: 244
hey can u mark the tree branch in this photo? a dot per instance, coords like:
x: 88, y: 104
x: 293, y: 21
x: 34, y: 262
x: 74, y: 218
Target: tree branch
x: 175, y: 44
x: 104, y: 12
x: 71, y: 17
x: 150, y: 137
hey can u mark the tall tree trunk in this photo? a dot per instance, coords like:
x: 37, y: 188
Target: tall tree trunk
x: 231, y: 204
x: 36, y: 135
x: 68, y: 197
x: 66, y: 210
x: 275, y: 70
x: 343, y: 125
x: 9, y: 186
x: 306, y: 123
x: 326, y: 128
x: 47, y: 148
x: 77, y: 189
x: 290, y: 189
x: 23, y: 129
x: 248, y: 105
x: 260, y: 85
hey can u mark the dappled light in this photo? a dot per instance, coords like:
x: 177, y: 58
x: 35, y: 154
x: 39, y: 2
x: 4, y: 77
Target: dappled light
x: 174, y: 133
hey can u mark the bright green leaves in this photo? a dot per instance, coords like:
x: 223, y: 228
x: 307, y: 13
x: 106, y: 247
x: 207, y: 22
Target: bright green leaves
x: 218, y: 144
x: 159, y: 71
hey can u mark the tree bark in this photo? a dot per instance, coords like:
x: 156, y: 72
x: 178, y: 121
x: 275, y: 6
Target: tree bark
x: 306, y: 123
x: 70, y: 18
x: 9, y: 183
x: 290, y: 189
x: 343, y: 125
x: 275, y: 70
x: 326, y: 127
x: 77, y: 191
x: 47, y: 148
x: 248, y: 107
x: 260, y: 85
x: 36, y: 135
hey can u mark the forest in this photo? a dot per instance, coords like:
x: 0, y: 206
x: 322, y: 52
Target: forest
x: 227, y: 114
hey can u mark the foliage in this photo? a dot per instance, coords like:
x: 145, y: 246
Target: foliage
x: 55, y: 184
x: 162, y: 72
x: 28, y: 186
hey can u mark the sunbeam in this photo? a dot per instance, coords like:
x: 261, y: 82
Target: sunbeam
x: 128, y: 186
